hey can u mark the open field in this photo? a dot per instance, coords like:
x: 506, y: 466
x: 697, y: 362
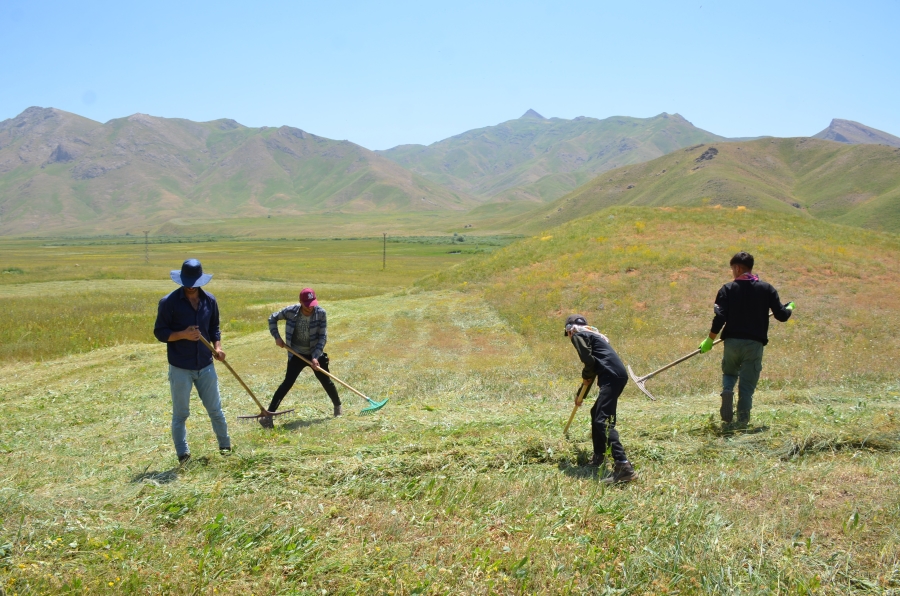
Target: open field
x: 105, y: 294
x: 463, y: 483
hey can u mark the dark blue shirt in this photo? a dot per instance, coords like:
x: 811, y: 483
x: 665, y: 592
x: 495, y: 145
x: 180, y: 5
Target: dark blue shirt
x: 175, y: 313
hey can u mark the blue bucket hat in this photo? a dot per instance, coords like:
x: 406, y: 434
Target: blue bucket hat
x: 191, y: 275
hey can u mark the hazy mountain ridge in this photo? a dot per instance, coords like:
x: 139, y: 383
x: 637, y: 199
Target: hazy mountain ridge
x: 854, y: 133
x: 59, y: 171
x: 857, y: 185
x: 534, y: 158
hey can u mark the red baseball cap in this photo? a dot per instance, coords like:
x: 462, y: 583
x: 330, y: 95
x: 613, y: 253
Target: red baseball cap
x: 308, y: 297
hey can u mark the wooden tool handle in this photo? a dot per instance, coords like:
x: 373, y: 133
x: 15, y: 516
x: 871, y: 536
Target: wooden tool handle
x: 288, y: 348
x: 584, y: 390
x: 236, y: 376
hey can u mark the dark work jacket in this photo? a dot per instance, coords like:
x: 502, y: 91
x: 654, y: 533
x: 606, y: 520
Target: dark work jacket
x: 742, y: 306
x: 599, y: 359
x: 175, y: 313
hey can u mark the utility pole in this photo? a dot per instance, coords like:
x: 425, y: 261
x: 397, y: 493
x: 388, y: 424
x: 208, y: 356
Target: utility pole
x: 146, y: 247
x: 384, y: 253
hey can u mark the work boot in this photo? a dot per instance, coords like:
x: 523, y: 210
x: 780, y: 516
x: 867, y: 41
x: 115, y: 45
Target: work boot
x: 266, y: 422
x: 183, y: 459
x: 338, y: 411
x: 597, y: 460
x: 622, y: 472
x: 743, y: 419
x: 727, y: 409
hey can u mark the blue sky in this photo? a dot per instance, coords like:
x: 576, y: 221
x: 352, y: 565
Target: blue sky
x: 382, y: 74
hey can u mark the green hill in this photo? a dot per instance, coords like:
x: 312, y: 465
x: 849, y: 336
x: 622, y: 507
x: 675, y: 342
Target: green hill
x: 539, y: 159
x: 857, y: 185
x: 647, y: 277
x: 59, y: 171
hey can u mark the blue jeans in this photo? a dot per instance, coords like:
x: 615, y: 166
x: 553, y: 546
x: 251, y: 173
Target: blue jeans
x: 207, y: 383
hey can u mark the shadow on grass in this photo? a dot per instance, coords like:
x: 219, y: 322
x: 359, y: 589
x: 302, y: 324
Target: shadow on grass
x: 167, y: 476
x: 295, y: 424
x: 156, y: 477
x: 577, y: 471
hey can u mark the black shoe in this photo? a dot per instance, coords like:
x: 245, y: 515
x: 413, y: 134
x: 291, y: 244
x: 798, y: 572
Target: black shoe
x: 743, y: 419
x: 266, y: 422
x: 727, y: 409
x: 622, y: 472
x: 338, y: 411
x: 226, y: 451
x: 182, y: 459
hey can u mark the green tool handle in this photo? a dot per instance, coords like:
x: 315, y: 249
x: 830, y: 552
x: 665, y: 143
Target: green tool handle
x: 236, y: 376
x: 322, y: 370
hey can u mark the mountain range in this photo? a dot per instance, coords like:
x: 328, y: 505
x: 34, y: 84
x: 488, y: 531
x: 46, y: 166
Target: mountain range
x: 540, y: 159
x: 60, y: 172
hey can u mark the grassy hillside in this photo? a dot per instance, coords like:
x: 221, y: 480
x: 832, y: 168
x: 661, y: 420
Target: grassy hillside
x: 539, y: 159
x: 59, y: 171
x: 856, y: 185
x: 647, y: 278
x: 464, y: 483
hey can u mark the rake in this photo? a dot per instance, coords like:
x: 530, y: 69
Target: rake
x: 263, y: 413
x: 373, y: 405
x: 640, y: 381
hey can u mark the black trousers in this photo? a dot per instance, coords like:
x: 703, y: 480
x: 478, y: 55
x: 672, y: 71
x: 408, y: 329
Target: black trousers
x: 603, y: 420
x: 294, y: 367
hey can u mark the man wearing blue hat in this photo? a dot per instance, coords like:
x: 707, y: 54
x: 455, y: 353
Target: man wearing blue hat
x: 183, y: 316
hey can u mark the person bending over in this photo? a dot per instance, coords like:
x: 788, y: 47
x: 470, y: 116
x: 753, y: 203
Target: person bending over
x: 603, y: 364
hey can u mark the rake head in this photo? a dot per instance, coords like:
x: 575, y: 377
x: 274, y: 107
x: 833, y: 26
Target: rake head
x: 373, y: 406
x: 639, y: 381
x: 265, y: 414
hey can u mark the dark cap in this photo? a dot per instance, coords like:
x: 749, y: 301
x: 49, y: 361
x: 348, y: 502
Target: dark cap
x: 574, y: 320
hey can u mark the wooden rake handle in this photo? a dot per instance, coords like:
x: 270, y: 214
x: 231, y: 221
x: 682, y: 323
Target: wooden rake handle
x: 322, y: 370
x: 581, y: 396
x: 680, y: 360
x: 236, y: 376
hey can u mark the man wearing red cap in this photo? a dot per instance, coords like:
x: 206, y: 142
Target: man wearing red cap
x: 305, y: 331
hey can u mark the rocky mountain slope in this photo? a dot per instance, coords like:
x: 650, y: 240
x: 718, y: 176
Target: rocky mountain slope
x: 854, y: 133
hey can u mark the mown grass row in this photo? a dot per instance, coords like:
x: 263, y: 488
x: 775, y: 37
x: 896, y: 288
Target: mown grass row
x: 463, y: 484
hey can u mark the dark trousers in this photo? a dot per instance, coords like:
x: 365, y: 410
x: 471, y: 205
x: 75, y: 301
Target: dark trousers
x: 603, y: 420
x: 294, y: 367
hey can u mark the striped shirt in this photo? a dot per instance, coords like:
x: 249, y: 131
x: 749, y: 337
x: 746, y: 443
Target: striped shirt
x: 317, y: 327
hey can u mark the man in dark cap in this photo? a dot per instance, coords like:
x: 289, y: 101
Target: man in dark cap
x: 305, y: 331
x: 742, y: 307
x: 603, y: 364
x: 183, y: 316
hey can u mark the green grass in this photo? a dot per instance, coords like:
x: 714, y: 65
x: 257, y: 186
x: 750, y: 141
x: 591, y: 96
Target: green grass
x: 464, y: 483
x: 67, y: 296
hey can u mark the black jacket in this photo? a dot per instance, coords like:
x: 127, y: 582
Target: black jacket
x: 599, y: 359
x: 743, y: 307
